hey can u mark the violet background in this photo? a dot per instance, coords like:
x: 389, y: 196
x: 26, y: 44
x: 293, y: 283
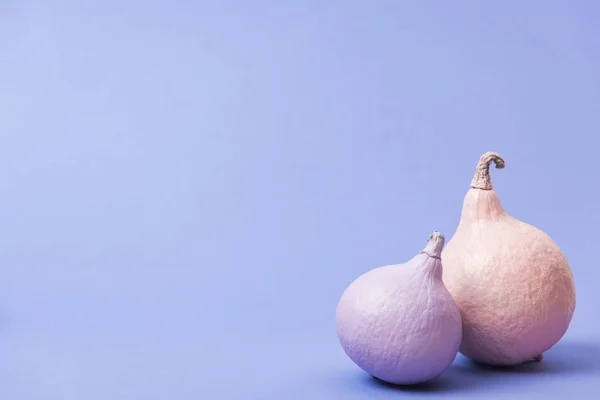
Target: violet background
x: 188, y: 187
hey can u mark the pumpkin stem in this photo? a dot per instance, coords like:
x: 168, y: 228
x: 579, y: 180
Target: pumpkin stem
x: 435, y: 245
x: 482, y: 179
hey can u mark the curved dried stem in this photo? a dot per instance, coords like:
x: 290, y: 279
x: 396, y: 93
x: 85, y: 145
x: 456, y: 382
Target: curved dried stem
x: 482, y: 179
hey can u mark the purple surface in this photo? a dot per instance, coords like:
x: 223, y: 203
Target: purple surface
x: 188, y: 187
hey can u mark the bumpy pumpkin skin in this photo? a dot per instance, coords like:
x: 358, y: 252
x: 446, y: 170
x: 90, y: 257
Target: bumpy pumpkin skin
x: 399, y: 322
x: 511, y: 282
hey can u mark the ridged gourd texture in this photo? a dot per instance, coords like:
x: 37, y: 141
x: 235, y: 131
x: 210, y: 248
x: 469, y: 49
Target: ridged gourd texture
x: 511, y: 281
x: 399, y: 323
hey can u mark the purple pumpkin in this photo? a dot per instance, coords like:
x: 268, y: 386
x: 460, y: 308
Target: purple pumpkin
x: 399, y: 323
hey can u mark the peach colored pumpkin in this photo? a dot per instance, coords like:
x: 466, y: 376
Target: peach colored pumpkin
x: 512, y: 283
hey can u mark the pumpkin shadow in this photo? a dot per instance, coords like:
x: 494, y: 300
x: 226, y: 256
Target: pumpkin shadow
x: 565, y: 359
x: 440, y: 384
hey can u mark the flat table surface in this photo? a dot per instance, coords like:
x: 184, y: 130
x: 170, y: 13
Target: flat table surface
x: 166, y: 365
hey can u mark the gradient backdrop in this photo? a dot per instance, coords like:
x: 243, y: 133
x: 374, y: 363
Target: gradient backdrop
x: 187, y: 187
